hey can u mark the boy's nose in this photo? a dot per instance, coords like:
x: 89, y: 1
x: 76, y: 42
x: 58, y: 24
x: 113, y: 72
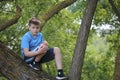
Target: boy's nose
x: 35, y: 29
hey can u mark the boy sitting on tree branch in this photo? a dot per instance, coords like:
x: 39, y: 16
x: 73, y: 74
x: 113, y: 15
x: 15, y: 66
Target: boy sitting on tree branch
x: 35, y: 50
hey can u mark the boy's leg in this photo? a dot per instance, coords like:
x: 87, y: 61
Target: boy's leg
x: 54, y: 53
x: 58, y: 60
x: 38, y: 57
x: 36, y: 63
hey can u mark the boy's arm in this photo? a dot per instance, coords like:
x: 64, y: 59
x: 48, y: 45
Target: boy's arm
x: 45, y: 43
x: 33, y: 53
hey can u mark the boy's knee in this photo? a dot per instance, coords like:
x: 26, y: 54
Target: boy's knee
x: 56, y: 49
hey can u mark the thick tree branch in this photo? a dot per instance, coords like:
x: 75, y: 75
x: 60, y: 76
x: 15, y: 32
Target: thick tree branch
x: 54, y: 10
x: 14, y: 68
x: 12, y: 21
x: 117, y: 12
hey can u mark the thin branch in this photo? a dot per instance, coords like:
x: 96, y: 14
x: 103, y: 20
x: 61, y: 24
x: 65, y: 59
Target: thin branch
x: 12, y: 21
x: 54, y: 10
x: 117, y: 12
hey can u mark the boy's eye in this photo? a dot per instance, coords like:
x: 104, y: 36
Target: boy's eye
x: 37, y: 27
x: 33, y: 27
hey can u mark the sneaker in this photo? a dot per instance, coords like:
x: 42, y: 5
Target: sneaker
x: 35, y: 65
x: 61, y: 76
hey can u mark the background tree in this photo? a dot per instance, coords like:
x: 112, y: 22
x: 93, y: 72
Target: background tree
x: 78, y: 59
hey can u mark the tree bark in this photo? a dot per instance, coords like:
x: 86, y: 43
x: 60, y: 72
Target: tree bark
x: 14, y: 68
x: 78, y: 59
x: 117, y: 66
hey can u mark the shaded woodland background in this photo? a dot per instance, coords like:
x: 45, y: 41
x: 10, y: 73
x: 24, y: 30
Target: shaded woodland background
x: 62, y: 30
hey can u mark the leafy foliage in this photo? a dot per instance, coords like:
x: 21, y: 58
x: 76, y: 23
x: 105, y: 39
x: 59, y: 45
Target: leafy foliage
x: 62, y: 29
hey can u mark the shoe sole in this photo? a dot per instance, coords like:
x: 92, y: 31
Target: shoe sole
x: 33, y: 67
x: 60, y: 78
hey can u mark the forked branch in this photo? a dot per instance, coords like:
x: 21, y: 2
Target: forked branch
x: 12, y: 21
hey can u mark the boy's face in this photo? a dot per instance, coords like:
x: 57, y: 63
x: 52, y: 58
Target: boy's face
x: 34, y: 29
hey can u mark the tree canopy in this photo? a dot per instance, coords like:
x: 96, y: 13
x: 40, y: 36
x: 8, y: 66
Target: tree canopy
x: 62, y: 30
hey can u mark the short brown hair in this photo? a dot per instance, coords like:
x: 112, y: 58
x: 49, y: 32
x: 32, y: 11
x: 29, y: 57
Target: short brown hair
x: 34, y: 21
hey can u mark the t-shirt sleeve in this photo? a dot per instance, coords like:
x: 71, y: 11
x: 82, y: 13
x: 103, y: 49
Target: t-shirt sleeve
x: 25, y: 42
x: 42, y: 37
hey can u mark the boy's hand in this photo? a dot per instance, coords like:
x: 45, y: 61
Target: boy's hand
x: 45, y: 43
x: 43, y: 48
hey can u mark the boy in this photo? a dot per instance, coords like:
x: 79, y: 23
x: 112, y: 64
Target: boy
x: 35, y: 50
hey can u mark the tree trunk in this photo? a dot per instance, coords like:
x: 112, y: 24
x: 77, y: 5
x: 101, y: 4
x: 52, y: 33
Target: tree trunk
x: 78, y: 59
x: 117, y: 66
x: 14, y: 68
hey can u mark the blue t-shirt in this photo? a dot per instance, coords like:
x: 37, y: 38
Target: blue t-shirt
x: 31, y: 42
